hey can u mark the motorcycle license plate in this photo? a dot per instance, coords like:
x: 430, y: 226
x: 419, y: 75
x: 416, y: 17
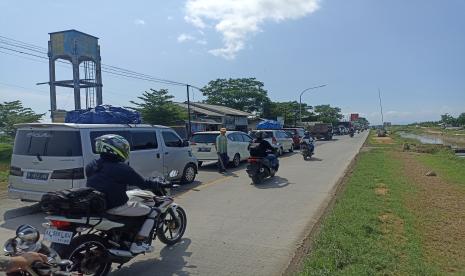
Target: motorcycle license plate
x: 58, y: 236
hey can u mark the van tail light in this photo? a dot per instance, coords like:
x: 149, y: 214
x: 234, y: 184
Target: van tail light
x: 273, y: 140
x: 16, y: 171
x: 58, y: 224
x: 76, y: 173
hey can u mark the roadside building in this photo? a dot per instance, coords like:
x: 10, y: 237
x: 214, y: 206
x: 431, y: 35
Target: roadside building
x: 209, y: 117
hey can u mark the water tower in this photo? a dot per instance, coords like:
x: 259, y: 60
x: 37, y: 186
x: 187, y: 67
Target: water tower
x: 81, y: 50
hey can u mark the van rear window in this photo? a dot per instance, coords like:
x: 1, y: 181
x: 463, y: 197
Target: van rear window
x: 48, y: 143
x: 204, y: 138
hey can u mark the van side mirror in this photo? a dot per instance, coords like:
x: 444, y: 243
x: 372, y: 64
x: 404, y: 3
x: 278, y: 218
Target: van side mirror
x: 185, y: 143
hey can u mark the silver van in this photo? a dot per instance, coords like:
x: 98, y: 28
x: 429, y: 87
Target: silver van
x: 50, y: 157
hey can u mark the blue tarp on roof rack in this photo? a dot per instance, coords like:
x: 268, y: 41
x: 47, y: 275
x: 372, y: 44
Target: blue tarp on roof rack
x: 103, y: 114
x: 269, y: 124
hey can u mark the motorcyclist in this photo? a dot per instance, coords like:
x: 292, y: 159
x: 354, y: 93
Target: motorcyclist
x: 351, y: 131
x: 111, y: 175
x: 263, y: 150
x: 310, y: 146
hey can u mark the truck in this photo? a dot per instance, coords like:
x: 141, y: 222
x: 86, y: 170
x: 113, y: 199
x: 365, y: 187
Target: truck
x: 322, y: 131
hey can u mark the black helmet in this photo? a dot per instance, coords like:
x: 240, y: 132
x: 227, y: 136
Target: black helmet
x: 113, y: 145
x: 259, y: 135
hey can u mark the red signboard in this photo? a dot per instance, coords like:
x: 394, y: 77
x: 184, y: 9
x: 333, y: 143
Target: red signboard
x: 353, y: 117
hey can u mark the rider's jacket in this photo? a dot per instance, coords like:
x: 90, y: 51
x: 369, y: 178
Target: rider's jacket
x: 262, y: 148
x: 112, y: 178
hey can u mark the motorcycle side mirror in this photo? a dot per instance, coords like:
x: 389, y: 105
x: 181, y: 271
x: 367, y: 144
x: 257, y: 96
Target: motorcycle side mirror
x: 28, y: 234
x: 10, y: 247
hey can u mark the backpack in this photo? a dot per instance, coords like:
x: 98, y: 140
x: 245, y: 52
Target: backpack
x: 74, y: 202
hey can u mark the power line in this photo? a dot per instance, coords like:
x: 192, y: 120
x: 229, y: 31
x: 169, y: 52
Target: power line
x: 110, y: 69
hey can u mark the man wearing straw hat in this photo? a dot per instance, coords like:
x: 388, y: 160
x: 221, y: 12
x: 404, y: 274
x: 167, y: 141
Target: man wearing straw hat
x: 222, y: 150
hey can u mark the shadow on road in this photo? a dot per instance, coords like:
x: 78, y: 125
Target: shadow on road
x: 212, y: 167
x: 170, y: 262
x: 273, y: 183
x: 314, y: 159
x: 35, y: 220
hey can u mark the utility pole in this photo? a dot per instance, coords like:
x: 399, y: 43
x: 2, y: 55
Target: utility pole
x: 381, y: 107
x: 189, y: 128
x: 300, y: 99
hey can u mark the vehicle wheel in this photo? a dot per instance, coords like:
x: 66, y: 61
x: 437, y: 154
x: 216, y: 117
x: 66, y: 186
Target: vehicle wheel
x: 169, y: 231
x: 236, y: 160
x: 291, y: 149
x: 257, y: 179
x: 199, y: 164
x: 272, y: 173
x: 88, y: 253
x: 188, y: 176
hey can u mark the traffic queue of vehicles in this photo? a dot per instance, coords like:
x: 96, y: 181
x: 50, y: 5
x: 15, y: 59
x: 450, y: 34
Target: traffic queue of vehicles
x: 52, y: 156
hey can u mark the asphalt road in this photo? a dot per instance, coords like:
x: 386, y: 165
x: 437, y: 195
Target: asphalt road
x: 234, y: 227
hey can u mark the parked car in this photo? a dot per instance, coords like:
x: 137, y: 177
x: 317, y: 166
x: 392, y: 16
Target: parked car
x: 50, y: 157
x: 278, y: 138
x: 296, y: 133
x: 203, y: 146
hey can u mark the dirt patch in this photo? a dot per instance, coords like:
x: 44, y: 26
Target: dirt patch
x: 381, y: 191
x: 392, y: 225
x: 439, y: 207
x: 383, y: 140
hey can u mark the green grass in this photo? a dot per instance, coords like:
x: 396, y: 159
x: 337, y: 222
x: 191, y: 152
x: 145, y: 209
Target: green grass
x: 447, y: 165
x: 354, y: 241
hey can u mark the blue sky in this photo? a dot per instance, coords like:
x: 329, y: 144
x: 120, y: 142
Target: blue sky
x: 414, y: 51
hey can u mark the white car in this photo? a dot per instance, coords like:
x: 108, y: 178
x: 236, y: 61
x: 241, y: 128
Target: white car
x: 51, y: 157
x: 278, y: 138
x: 203, y: 146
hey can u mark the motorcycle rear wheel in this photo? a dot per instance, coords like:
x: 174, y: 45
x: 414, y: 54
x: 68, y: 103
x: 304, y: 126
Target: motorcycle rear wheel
x: 88, y: 253
x: 257, y: 179
x: 165, y: 229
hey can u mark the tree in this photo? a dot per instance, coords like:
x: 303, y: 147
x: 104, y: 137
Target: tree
x: 245, y: 94
x: 327, y: 114
x: 158, y: 108
x: 12, y: 113
x: 461, y: 119
x: 289, y: 111
x: 448, y: 119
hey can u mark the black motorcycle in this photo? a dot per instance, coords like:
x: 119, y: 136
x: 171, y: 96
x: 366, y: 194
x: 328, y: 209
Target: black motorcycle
x: 93, y: 243
x: 307, y: 150
x: 259, y: 168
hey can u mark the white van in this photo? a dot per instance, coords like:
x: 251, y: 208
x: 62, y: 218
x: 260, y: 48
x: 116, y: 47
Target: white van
x: 203, y: 146
x: 50, y: 157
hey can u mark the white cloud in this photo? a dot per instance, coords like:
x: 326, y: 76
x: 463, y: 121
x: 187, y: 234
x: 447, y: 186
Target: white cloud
x: 202, y: 42
x: 185, y: 37
x: 169, y: 17
x: 237, y: 20
x: 139, y: 21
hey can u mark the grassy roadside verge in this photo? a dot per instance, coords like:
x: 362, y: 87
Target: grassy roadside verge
x: 5, y: 155
x: 370, y: 230
x: 447, y: 165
